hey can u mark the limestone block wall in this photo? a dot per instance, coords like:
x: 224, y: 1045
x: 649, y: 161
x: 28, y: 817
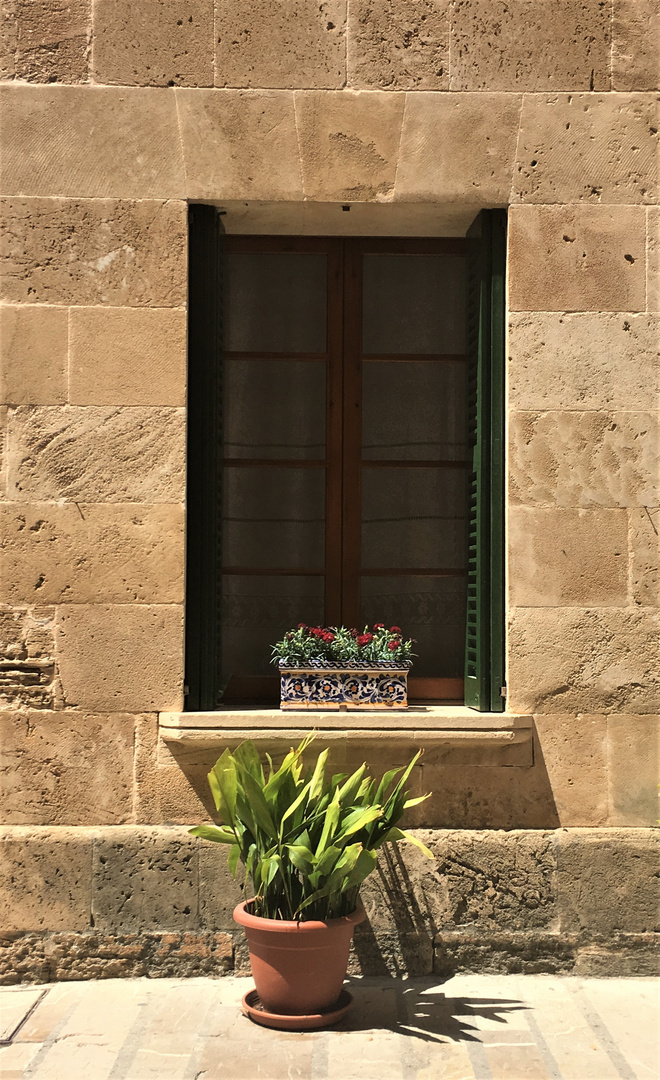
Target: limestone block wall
x: 418, y: 113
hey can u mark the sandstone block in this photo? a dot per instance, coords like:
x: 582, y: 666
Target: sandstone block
x: 583, y: 360
x: 644, y: 546
x: 608, y: 880
x: 90, y: 142
x: 598, y: 148
x: 576, y: 258
x: 239, y: 145
x: 491, y: 797
x: 513, y: 953
x: 633, y: 747
x: 653, y: 259
x: 122, y: 253
x: 96, y: 454
x: 561, y: 558
x: 386, y: 954
x: 219, y: 892
x: 398, y: 46
x: 620, y: 956
x: 103, y: 553
x: 45, y: 878
x: 530, y: 45
x: 497, y: 880
x: 584, y: 459
x: 406, y: 894
x: 573, y: 751
x: 458, y: 148
x: 349, y: 144
x: 121, y: 657
x: 128, y: 356
x: 145, y: 879
x: 66, y: 768
x: 167, y: 790
x: 33, y: 355
x: 635, y: 55
x: 565, y: 659
x: 296, y: 44
x: 153, y: 43
x: 45, y: 41
x: 28, y: 664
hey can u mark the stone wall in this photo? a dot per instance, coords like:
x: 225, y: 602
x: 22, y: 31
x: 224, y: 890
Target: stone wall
x: 115, y: 115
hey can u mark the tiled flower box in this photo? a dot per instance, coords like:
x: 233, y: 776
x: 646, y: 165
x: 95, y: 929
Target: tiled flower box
x: 380, y: 684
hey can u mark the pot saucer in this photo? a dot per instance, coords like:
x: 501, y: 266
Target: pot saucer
x: 253, y: 1008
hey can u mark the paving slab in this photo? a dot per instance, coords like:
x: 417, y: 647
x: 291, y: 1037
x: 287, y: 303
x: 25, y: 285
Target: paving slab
x: 469, y: 1027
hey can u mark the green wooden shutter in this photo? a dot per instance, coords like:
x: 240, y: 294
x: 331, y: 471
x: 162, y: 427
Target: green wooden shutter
x: 203, y: 579
x: 484, y: 653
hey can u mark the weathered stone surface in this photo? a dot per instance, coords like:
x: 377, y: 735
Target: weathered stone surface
x: 530, y: 45
x: 166, y: 790
x: 653, y: 259
x: 219, y: 892
x: 497, y: 881
x: 128, y: 356
x: 573, y: 751
x: 66, y: 768
x: 395, y: 45
x: 45, y: 878
x: 121, y: 657
x: 103, y: 553
x: 45, y: 41
x: 565, y: 557
x: 608, y: 880
x: 391, y: 954
x: 349, y: 143
x: 635, y: 54
x: 620, y: 956
x: 33, y: 355
x: 153, y: 43
x: 565, y: 659
x: 64, y: 251
x: 28, y: 664
x: 40, y: 958
x: 239, y: 144
x: 584, y: 459
x: 583, y: 360
x: 406, y: 894
x: 644, y: 545
x: 599, y: 148
x: 96, y: 454
x: 145, y: 879
x: 458, y: 148
x: 576, y: 258
x: 90, y: 141
x: 633, y: 767
x: 296, y: 43
x: 513, y: 953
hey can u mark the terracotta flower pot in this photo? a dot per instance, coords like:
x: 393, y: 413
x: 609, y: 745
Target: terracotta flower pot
x: 298, y: 967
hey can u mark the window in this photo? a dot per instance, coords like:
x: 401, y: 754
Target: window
x: 330, y: 453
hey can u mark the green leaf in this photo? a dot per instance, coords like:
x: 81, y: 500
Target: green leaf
x: 212, y: 832
x: 223, y: 782
x: 232, y: 860
x: 366, y: 862
x: 357, y: 819
x: 301, y: 857
x: 349, y: 789
x: 330, y: 824
x: 247, y: 757
x: 403, y: 834
x: 259, y: 806
x: 417, y: 801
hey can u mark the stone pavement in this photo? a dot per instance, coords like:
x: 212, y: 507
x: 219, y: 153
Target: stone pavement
x: 469, y: 1027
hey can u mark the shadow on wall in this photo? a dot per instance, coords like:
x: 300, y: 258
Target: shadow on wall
x: 463, y: 796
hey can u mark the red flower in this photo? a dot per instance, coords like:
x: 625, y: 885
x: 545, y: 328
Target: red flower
x: 317, y: 631
x: 365, y: 639
x: 328, y: 637
x: 395, y: 629
x: 393, y: 645
x: 379, y: 626
x: 302, y: 625
x: 353, y: 632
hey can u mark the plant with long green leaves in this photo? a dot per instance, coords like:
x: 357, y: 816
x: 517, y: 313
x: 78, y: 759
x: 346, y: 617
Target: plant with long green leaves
x: 307, y: 841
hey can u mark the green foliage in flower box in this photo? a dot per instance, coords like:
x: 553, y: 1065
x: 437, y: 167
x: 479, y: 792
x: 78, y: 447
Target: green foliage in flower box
x: 342, y: 644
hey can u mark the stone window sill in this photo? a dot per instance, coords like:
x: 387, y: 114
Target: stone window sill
x: 477, y: 738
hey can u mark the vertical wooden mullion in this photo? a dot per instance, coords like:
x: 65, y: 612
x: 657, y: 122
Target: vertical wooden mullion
x: 497, y: 420
x: 352, y: 434
x: 203, y: 577
x: 334, y: 411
